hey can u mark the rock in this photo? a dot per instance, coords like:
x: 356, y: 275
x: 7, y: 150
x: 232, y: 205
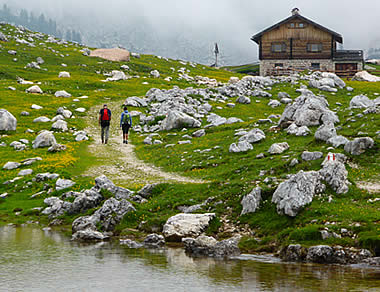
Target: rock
x: 12, y: 52
x: 33, y: 65
x: 233, y: 80
x: 11, y: 165
x: 136, y: 102
x: 184, y: 142
x: 361, y: 101
x: 293, y: 129
x: 251, y: 202
x: 148, y: 140
x: 322, y: 254
x: 294, y: 162
x: 44, y: 139
x: 146, y: 191
x: 337, y: 141
x: 57, y: 148
x: 186, y: 225
x: 325, y: 132
x: 103, y: 183
x: 30, y: 161
x: 62, y: 184
x: 293, y: 253
x: 80, y: 136
x: 130, y: 243
x: 295, y: 193
x: 64, y: 74
x: 335, y: 174
x: 253, y: 136
x: 25, y: 172
x: 18, y: 146
x: 88, y: 235
x: 242, y: 146
x: 308, y: 110
x: 62, y: 93
x: 56, y: 207
x: 40, y: 61
x: 41, y: 120
x: 274, y: 103
x: 80, y: 109
x: 7, y: 121
x: 209, y: 246
x: 233, y: 120
x: 359, y: 145
x: 337, y: 81
x: 25, y: 113
x: 60, y: 125
x: 365, y: 76
x: 36, y: 107
x: 243, y: 99
x: 117, y: 75
x: 34, y: 89
x: 286, y: 100
x: 112, y: 212
x: 282, y: 95
x: 3, y: 38
x: 84, y: 201
x: 309, y: 156
x: 177, y: 120
x: 154, y: 241
x: 155, y: 73
x: 216, y: 120
x: 64, y: 112
x: 278, y: 148
x: 199, y: 133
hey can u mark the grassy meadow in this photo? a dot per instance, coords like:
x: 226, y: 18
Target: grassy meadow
x: 229, y: 176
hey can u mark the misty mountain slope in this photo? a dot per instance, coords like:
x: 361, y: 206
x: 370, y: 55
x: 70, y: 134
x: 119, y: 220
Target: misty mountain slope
x: 220, y: 108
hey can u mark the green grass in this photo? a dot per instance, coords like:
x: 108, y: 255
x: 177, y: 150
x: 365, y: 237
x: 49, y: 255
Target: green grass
x: 244, y: 69
x: 230, y: 175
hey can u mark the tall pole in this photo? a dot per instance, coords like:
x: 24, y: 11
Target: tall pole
x: 216, y: 51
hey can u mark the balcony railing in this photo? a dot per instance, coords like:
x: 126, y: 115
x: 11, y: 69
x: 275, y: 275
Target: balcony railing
x: 349, y: 55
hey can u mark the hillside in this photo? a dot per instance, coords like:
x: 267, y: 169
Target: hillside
x: 350, y: 218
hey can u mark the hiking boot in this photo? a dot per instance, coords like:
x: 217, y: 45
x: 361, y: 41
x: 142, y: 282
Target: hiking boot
x: 126, y: 141
x: 106, y: 142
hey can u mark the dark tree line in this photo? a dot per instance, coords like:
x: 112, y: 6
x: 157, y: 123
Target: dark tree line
x: 38, y: 23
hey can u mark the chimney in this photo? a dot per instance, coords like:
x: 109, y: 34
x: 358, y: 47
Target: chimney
x: 295, y: 11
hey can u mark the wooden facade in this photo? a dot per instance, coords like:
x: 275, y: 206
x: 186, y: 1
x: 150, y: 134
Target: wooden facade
x: 298, y: 34
x: 299, y: 38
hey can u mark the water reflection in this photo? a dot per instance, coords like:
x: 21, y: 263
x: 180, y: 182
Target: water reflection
x: 36, y: 260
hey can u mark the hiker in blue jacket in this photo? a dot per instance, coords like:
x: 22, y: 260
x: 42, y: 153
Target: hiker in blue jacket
x: 125, y: 124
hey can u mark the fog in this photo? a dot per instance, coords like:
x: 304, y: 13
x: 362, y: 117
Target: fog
x: 174, y: 26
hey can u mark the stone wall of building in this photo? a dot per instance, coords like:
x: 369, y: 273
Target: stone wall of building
x: 267, y: 66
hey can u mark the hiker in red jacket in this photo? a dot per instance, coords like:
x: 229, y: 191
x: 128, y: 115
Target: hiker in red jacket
x: 104, y: 122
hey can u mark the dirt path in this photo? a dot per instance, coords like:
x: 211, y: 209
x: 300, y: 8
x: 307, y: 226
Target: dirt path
x: 118, y: 160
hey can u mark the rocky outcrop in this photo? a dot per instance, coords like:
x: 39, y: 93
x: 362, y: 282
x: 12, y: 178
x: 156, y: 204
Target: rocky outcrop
x: 361, y: 101
x: 186, y: 225
x: 324, y: 254
x: 62, y: 184
x: 242, y: 146
x: 359, y: 145
x: 335, y: 174
x: 106, y: 218
x: 308, y: 110
x: 365, y: 76
x: 337, y: 141
x: 209, y: 246
x: 177, y: 120
x: 253, y: 136
x: 103, y: 183
x: 325, y: 132
x: 295, y: 193
x: 44, y: 139
x: 278, y: 148
x: 146, y: 191
x: 7, y: 121
x: 251, y: 202
x: 293, y: 129
x: 309, y: 156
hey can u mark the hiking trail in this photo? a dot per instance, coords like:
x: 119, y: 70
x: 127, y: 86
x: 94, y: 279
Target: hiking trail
x: 119, y: 161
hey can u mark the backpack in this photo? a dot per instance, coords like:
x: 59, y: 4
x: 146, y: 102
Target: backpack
x: 126, y: 119
x: 105, y: 116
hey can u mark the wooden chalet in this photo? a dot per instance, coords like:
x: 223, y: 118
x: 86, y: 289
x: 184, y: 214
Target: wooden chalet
x: 297, y: 43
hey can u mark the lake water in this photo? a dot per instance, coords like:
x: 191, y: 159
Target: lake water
x: 36, y: 260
